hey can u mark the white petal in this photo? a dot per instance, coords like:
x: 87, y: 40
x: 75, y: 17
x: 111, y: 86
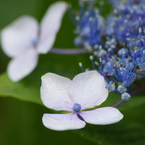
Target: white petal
x: 54, y: 92
x: 46, y: 44
x: 62, y: 122
x: 23, y: 65
x: 88, y: 89
x: 19, y: 35
x: 102, y: 116
x: 50, y: 25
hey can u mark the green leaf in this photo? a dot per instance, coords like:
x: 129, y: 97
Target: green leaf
x: 20, y: 90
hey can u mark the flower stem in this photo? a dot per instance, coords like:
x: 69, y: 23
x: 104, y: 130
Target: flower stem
x: 142, y: 89
x: 118, y: 103
x: 68, y: 51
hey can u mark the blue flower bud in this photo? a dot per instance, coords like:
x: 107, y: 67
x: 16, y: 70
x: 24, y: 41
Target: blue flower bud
x: 78, y: 41
x: 76, y: 107
x: 125, y: 96
x: 121, y: 89
x: 108, y: 68
x: 110, y: 86
x: 123, y: 52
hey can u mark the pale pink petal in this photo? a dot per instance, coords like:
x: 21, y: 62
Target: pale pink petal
x: 19, y: 35
x: 88, y: 89
x: 102, y: 116
x: 54, y: 92
x: 22, y: 65
x: 50, y: 25
x: 60, y: 122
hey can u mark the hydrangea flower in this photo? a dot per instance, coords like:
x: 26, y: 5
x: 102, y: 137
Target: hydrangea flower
x: 90, y: 26
x: 128, y: 16
x: 23, y: 40
x: 85, y: 91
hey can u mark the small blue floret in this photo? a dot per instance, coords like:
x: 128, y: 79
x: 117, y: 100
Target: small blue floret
x: 121, y: 89
x: 110, y: 86
x: 125, y: 96
x: 34, y: 42
x: 76, y: 107
x: 123, y: 52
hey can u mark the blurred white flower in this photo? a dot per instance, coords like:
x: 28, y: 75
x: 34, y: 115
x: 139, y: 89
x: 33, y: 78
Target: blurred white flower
x: 23, y: 40
x: 86, y: 90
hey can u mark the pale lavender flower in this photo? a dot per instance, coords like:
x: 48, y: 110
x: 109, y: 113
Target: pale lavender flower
x: 86, y: 90
x: 23, y: 40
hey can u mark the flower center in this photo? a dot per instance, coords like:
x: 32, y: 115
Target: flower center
x: 76, y: 107
x: 34, y: 42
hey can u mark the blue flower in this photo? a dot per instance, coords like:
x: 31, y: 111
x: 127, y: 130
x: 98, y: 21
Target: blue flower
x: 126, y: 75
x: 89, y: 27
x: 109, y: 68
x: 126, y: 20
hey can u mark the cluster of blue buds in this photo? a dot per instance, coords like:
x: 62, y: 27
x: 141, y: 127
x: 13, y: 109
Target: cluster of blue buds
x: 127, y: 17
x: 118, y: 45
x: 90, y: 26
x: 121, y: 67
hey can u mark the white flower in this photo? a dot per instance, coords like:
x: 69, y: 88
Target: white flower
x: 86, y: 90
x: 24, y: 40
